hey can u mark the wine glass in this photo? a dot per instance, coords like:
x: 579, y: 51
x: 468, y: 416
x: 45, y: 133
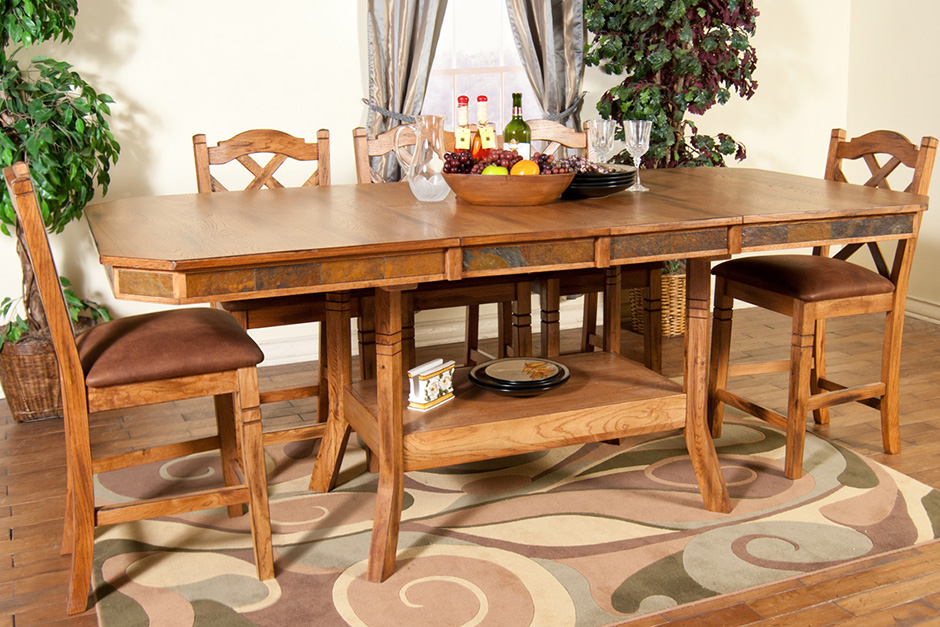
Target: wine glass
x: 601, y: 136
x: 637, y: 134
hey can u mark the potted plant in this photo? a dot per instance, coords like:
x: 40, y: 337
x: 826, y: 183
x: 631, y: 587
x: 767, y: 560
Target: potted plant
x: 680, y: 57
x: 684, y: 56
x: 57, y: 123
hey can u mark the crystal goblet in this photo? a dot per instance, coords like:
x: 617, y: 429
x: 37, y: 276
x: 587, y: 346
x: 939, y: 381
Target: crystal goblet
x: 637, y: 135
x: 601, y: 136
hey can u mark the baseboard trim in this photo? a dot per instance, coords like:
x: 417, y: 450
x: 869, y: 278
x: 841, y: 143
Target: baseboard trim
x: 923, y: 309
x: 442, y: 326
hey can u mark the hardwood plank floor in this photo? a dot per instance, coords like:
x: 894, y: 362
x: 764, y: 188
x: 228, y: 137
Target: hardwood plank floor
x: 894, y: 589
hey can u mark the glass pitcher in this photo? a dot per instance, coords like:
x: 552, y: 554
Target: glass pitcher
x: 423, y: 167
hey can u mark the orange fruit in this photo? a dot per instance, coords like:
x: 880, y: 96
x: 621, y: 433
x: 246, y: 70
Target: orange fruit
x: 526, y: 166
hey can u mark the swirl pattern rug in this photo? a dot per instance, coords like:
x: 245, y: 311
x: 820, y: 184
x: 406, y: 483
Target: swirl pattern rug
x: 580, y: 536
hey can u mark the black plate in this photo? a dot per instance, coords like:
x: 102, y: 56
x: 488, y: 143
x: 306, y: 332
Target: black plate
x: 593, y: 192
x: 510, y: 376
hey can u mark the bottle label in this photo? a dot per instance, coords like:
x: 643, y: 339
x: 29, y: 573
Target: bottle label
x: 462, y: 138
x: 523, y: 149
x: 487, y: 137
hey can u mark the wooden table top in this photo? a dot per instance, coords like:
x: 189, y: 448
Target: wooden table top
x: 687, y: 212
x: 175, y: 232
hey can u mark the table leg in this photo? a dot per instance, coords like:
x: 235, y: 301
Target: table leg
x: 697, y: 435
x: 339, y: 373
x: 391, y: 490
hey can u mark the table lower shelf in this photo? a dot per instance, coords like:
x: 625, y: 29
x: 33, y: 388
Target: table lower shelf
x: 607, y: 396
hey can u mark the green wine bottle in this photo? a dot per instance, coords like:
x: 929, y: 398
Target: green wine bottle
x: 517, y: 135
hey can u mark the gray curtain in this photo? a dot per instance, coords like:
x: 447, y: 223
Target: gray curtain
x: 550, y: 37
x: 403, y: 37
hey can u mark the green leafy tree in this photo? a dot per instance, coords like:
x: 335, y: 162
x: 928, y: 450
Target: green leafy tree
x: 678, y: 57
x: 57, y: 123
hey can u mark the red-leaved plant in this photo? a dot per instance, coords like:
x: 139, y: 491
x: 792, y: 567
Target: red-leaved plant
x: 678, y: 56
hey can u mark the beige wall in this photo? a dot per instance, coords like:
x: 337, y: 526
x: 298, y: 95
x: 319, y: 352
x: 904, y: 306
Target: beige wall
x: 176, y: 68
x: 893, y: 83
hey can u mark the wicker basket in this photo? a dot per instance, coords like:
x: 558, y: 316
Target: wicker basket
x: 673, y: 306
x: 29, y: 374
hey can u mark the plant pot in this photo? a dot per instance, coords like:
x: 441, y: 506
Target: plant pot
x: 673, y: 306
x: 29, y: 374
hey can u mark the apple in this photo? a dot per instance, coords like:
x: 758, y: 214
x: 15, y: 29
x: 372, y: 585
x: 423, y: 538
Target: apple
x: 494, y: 169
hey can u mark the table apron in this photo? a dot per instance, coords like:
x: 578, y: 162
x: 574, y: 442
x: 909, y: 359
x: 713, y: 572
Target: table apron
x: 389, y: 270
x: 828, y: 232
x: 330, y: 275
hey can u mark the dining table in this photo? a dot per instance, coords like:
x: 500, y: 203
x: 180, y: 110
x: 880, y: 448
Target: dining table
x: 337, y: 239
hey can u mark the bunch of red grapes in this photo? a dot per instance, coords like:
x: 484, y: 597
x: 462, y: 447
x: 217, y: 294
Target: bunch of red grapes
x: 505, y: 158
x: 548, y: 165
x: 462, y: 163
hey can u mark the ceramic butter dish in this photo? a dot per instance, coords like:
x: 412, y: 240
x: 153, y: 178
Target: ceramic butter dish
x: 432, y: 383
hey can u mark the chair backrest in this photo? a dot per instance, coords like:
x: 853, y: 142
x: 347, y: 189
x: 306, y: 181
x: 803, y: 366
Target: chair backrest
x: 244, y: 146
x: 383, y: 144
x: 894, y: 148
x: 31, y: 233
x: 556, y: 135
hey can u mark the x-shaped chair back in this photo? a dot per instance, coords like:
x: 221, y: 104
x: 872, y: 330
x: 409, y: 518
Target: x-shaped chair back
x: 894, y: 147
x: 381, y: 145
x: 245, y: 146
x: 895, y: 150
x: 556, y: 135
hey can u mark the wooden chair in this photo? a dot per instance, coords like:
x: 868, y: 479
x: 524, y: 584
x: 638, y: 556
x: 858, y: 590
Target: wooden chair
x: 256, y: 313
x: 812, y: 288
x: 140, y: 360
x: 514, y: 331
x: 591, y: 282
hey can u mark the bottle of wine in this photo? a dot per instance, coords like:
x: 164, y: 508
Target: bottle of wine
x: 485, y: 139
x: 463, y: 134
x: 517, y: 135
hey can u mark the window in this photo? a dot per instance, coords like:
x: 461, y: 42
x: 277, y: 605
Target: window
x: 476, y: 55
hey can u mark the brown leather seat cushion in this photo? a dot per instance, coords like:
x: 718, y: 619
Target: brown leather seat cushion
x: 808, y: 278
x: 163, y: 345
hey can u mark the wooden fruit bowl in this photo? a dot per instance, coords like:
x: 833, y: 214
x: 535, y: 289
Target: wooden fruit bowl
x: 508, y: 190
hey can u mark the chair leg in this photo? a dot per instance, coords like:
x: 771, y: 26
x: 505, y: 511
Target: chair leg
x: 550, y: 301
x: 83, y: 522
x: 366, y: 326
x: 589, y: 322
x: 890, y: 374
x: 408, y: 354
x: 248, y: 421
x: 68, y: 527
x: 522, y: 320
x: 225, y: 419
x: 653, y: 321
x: 504, y: 329
x: 472, y: 335
x: 821, y: 415
x: 720, y: 355
x: 801, y: 363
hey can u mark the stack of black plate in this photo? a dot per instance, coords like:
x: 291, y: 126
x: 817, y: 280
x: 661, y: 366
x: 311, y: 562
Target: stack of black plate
x: 597, y: 184
x: 519, y: 376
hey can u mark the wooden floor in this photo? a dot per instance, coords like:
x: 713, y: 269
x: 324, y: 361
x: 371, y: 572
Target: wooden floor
x: 897, y: 589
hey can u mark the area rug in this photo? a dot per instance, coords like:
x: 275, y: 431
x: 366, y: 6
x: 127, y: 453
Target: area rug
x: 580, y: 536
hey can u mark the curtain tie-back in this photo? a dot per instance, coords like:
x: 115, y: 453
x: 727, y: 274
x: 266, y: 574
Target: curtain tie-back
x: 401, y: 117
x: 560, y: 117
